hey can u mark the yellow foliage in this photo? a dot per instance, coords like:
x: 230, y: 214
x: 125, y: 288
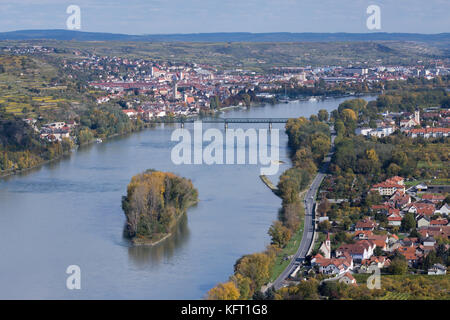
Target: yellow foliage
x: 223, y: 291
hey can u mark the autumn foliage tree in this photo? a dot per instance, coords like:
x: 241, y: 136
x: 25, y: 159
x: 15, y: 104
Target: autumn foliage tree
x: 224, y: 291
x: 154, y: 202
x: 280, y: 234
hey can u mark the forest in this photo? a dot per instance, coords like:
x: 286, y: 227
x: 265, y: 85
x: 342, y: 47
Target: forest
x: 154, y: 202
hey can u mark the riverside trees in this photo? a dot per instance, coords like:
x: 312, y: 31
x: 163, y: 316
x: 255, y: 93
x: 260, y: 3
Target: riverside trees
x: 154, y: 202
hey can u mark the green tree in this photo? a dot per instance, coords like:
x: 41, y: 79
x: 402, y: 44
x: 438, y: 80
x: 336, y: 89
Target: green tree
x: 398, y: 265
x: 323, y: 115
x: 408, y: 222
x: 280, y: 234
x: 256, y: 267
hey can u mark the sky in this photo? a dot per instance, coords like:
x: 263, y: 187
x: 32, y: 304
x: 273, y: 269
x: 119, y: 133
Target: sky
x: 203, y: 16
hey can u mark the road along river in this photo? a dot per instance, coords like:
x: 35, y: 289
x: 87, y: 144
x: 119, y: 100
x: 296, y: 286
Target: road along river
x: 69, y: 213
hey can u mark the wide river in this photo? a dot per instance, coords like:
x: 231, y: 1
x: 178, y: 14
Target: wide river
x: 69, y: 213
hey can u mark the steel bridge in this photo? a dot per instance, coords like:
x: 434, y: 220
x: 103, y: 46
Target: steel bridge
x: 225, y: 121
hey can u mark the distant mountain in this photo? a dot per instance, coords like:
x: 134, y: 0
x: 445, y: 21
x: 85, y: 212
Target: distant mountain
x: 221, y: 37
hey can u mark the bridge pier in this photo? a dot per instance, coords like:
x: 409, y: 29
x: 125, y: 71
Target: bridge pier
x: 270, y: 126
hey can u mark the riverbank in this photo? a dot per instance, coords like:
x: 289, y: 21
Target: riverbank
x: 269, y: 184
x: 78, y: 200
x: 74, y: 149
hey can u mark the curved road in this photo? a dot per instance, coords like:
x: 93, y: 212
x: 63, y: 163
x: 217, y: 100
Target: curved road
x: 308, y: 230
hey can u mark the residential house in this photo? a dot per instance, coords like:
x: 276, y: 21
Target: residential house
x: 437, y: 269
x: 429, y: 242
x: 394, y: 219
x: 439, y: 222
x: 444, y: 210
x: 365, y: 224
x: 375, y: 261
x: 434, y: 198
x: 336, y: 266
x: 422, y: 221
x: 400, y: 199
x: 348, y: 278
x: 428, y: 132
x: 410, y: 254
x: 435, y: 231
x: 421, y: 208
x: 358, y: 251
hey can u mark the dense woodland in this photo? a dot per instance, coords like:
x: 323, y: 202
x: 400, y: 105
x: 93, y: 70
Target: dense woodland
x: 154, y: 202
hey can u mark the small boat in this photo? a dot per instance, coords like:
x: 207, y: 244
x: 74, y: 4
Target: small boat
x: 313, y: 99
x: 99, y: 140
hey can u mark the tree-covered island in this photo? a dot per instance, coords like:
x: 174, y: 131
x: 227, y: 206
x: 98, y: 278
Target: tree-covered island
x: 154, y: 203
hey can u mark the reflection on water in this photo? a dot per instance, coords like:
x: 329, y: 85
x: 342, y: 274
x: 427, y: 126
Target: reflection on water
x: 69, y: 212
x: 143, y: 256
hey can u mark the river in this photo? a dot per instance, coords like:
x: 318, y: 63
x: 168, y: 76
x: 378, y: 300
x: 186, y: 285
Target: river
x: 69, y: 213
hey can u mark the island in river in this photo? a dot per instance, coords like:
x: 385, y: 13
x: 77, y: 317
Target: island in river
x: 154, y: 203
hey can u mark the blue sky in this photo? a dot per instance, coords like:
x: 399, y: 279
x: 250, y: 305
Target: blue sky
x: 192, y: 16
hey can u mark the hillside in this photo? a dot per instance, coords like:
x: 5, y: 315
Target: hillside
x: 61, y: 34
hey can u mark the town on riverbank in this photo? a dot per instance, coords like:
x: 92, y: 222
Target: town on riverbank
x: 383, y: 203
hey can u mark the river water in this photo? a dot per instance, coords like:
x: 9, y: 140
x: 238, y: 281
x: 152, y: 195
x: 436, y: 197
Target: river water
x: 69, y: 213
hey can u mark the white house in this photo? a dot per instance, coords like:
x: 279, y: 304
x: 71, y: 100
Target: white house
x: 347, y: 278
x: 358, y: 251
x: 437, y: 269
x: 423, y: 221
x: 444, y: 210
x: 394, y: 219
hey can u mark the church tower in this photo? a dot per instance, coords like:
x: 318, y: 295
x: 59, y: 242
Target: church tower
x: 325, y: 248
x: 417, y: 117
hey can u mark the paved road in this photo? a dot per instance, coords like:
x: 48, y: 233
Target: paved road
x: 308, y: 230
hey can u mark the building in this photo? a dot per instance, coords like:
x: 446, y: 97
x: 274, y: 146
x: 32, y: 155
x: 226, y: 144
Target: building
x: 337, y: 266
x: 422, y: 221
x: 365, y: 224
x: 444, y: 210
x: 412, y: 122
x: 378, y: 132
x: 374, y: 261
x: 437, y: 269
x: 348, y: 278
x: 428, y: 132
x: 358, y: 251
x: 394, y: 219
x: 390, y: 186
x: 325, y: 248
